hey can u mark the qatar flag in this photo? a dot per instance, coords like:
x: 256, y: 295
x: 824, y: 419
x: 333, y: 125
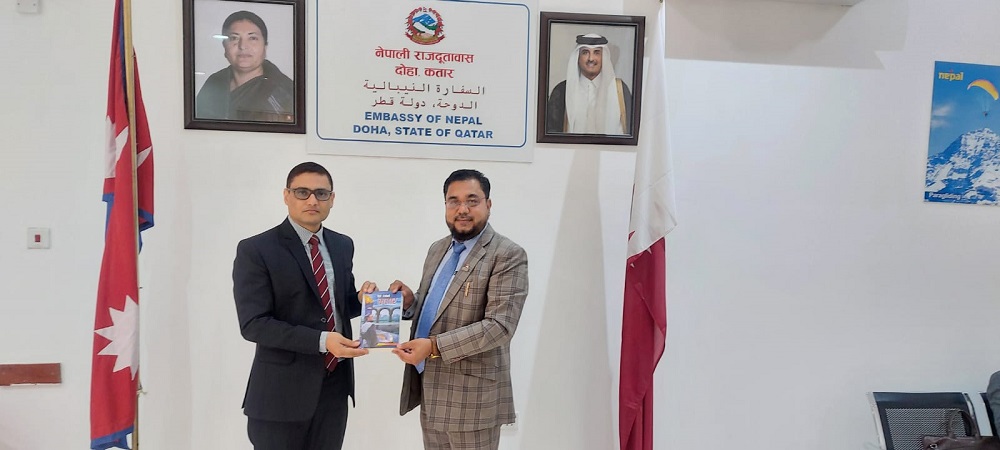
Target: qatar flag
x: 644, y: 317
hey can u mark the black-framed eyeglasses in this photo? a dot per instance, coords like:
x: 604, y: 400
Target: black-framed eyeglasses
x: 454, y: 203
x: 304, y: 193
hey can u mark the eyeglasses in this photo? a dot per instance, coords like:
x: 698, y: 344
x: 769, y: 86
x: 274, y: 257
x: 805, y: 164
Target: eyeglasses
x: 304, y: 193
x: 454, y: 203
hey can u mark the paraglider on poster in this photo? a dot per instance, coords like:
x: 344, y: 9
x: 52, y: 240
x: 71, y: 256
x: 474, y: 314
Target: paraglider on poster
x: 963, y: 152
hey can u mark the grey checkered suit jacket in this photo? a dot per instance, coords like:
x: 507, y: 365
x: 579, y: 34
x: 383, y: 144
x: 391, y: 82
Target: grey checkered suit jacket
x: 468, y: 387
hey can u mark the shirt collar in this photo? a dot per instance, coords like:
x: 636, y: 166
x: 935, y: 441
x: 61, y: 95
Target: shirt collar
x: 305, y: 234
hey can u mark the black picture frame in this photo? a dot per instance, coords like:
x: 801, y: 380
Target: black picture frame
x: 557, y: 41
x: 274, y: 102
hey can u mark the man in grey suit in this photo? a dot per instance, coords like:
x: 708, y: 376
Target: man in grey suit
x: 295, y: 296
x: 465, y: 312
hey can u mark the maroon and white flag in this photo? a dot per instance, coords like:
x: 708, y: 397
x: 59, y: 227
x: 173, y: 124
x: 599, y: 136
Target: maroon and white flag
x: 115, y: 367
x: 644, y: 318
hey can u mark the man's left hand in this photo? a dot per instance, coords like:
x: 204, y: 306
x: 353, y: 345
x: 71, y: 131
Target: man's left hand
x: 413, y: 352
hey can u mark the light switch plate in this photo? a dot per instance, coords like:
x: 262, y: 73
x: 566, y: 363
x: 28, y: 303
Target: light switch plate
x: 28, y: 6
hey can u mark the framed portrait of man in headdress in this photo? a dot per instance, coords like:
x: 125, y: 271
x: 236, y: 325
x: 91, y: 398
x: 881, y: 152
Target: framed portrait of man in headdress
x: 244, y: 65
x: 589, y: 78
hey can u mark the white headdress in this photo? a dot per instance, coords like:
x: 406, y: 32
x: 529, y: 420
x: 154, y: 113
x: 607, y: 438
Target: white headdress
x: 596, y: 112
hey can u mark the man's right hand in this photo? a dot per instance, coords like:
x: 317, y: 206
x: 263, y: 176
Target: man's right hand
x: 366, y: 288
x: 343, y: 347
x: 397, y: 286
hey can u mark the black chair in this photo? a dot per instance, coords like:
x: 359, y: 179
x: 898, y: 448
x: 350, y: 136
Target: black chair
x: 904, y: 418
x: 989, y: 413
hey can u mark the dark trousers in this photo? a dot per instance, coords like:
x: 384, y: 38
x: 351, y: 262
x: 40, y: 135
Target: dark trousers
x: 325, y: 431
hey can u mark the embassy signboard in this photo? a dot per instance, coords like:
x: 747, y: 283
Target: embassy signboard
x: 433, y: 79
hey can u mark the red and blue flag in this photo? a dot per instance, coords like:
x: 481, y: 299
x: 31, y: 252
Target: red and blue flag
x: 129, y: 198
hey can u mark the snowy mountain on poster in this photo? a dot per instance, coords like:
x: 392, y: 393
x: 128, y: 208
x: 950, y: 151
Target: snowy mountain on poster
x: 967, y: 171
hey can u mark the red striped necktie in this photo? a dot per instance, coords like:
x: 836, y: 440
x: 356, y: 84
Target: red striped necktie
x: 319, y: 271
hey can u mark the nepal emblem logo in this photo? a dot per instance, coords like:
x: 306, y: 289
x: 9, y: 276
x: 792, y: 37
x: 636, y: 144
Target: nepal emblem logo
x: 424, y: 26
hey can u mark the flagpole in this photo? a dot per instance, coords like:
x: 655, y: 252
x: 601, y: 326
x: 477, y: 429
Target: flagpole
x: 130, y: 99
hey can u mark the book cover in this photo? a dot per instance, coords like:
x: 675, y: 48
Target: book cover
x: 380, y: 316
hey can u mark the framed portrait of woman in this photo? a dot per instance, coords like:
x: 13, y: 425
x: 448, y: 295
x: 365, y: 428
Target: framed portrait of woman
x: 244, y: 65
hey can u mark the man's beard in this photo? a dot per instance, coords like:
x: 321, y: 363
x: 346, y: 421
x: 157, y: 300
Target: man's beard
x: 464, y: 236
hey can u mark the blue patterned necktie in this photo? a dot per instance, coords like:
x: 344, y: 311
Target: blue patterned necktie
x: 433, y: 300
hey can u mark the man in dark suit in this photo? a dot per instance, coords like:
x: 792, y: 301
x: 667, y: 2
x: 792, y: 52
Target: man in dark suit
x: 295, y: 295
x: 993, y: 395
x: 467, y: 308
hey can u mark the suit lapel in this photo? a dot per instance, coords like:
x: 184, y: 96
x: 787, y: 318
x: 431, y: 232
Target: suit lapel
x: 337, y: 261
x: 458, y: 284
x: 294, y: 246
x: 434, y: 256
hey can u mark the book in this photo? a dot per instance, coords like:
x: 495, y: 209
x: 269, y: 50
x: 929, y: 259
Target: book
x: 380, y: 315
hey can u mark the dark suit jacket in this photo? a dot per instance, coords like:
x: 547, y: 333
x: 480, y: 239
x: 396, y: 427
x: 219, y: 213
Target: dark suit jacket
x: 468, y: 388
x: 279, y: 309
x: 993, y: 395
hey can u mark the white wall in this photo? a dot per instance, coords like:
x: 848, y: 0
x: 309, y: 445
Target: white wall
x: 805, y: 270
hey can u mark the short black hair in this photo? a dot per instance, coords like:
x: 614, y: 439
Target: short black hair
x: 307, y: 167
x: 247, y: 16
x: 468, y: 174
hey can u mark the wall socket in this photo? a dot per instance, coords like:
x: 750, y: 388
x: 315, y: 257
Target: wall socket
x: 38, y: 238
